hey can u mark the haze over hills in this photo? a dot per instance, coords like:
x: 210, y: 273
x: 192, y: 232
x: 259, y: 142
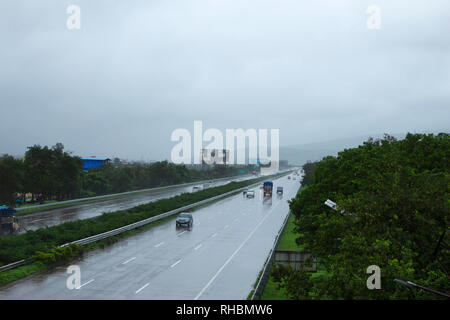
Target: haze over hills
x: 295, y: 154
x: 302, y: 153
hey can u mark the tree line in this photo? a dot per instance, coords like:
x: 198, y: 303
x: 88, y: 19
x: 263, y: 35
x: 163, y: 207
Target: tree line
x: 393, y: 210
x: 51, y: 173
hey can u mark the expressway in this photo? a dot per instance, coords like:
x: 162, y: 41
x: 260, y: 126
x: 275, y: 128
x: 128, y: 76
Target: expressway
x: 219, y: 258
x: 51, y: 217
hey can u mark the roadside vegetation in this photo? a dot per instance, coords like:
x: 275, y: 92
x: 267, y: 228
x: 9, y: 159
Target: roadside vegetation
x: 52, y: 174
x: 272, y: 289
x: 393, y: 209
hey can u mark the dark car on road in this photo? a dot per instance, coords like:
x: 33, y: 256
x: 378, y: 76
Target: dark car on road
x: 184, y: 220
x: 280, y: 191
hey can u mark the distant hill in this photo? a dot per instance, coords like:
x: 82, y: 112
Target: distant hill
x: 300, y: 154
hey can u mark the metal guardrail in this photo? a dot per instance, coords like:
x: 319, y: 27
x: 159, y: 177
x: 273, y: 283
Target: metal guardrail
x: 266, y: 270
x: 15, y: 264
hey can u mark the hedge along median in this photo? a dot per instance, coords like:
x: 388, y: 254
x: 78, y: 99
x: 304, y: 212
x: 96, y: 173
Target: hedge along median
x: 44, y: 240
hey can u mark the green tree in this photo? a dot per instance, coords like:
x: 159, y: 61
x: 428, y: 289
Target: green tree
x: 11, y: 179
x: 393, y: 208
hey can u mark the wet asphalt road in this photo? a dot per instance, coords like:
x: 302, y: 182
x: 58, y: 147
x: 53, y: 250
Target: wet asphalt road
x: 53, y: 217
x: 219, y: 258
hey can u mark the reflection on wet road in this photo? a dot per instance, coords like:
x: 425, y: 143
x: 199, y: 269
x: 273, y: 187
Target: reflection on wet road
x: 219, y: 258
x: 53, y: 217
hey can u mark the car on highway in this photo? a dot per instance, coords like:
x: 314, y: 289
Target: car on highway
x: 184, y: 220
x: 280, y: 190
x: 244, y: 192
x: 250, y: 194
x: 196, y: 188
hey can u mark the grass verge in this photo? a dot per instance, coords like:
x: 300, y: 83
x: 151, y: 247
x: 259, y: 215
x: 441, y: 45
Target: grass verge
x: 287, y: 242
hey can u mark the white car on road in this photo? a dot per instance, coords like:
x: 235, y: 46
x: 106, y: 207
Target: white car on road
x: 250, y: 194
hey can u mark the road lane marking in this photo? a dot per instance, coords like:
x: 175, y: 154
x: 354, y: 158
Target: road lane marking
x: 175, y: 263
x: 214, y: 235
x: 145, y: 286
x: 159, y: 244
x: 179, y: 234
x: 85, y: 283
x: 129, y: 260
x: 198, y: 247
x: 234, y: 253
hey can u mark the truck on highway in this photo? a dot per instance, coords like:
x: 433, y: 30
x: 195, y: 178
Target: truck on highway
x: 267, y: 187
x: 8, y: 222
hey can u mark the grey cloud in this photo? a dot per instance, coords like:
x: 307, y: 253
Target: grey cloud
x: 139, y: 69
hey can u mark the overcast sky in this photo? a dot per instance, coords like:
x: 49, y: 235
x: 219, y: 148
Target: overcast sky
x: 137, y: 70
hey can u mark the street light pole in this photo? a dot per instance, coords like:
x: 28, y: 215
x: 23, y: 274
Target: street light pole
x: 410, y: 284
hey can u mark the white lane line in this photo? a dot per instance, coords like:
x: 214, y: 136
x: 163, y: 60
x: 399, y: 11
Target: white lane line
x: 85, y: 283
x: 226, y: 227
x: 234, y: 253
x: 145, y: 286
x: 198, y: 247
x: 175, y: 263
x: 129, y: 260
x: 159, y: 244
x: 214, y: 235
x: 179, y: 234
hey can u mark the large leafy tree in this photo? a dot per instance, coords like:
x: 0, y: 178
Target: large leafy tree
x: 11, y: 179
x: 393, y: 199
x: 51, y: 172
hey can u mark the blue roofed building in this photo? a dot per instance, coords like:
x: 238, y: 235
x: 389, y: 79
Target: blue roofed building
x: 93, y: 162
